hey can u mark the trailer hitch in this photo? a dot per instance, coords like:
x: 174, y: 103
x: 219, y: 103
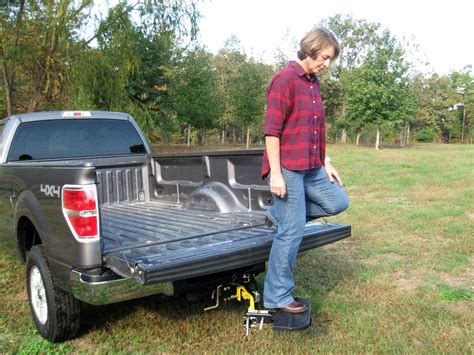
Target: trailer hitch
x: 238, y: 290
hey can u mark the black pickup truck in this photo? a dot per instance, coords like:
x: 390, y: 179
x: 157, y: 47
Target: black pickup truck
x: 98, y: 219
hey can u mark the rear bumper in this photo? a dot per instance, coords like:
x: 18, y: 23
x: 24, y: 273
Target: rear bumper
x: 113, y: 289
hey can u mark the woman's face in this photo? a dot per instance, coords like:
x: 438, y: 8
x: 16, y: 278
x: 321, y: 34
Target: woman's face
x: 321, y: 62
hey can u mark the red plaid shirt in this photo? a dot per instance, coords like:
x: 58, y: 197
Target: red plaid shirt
x: 295, y: 114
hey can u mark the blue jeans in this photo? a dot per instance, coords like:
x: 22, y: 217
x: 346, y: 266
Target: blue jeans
x: 309, y: 193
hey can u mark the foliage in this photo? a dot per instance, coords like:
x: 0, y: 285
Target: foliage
x: 248, y: 93
x: 447, y: 103
x: 243, y: 83
x: 38, y: 41
x: 195, y: 92
x: 368, y: 86
x: 144, y: 60
x: 427, y: 134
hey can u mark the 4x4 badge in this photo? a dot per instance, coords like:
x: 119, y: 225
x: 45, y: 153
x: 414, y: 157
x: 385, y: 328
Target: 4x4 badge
x: 51, y: 190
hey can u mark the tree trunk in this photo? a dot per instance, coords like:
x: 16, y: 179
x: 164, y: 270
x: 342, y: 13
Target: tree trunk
x: 248, y: 137
x: 223, y: 136
x: 8, y: 88
x: 377, y: 140
x: 233, y: 135
x: 407, y: 138
x: 45, y: 63
x: 9, y: 75
x: 463, y: 121
x: 344, y: 136
x: 358, y: 137
x: 38, y: 91
x: 402, y: 137
x: 189, y: 135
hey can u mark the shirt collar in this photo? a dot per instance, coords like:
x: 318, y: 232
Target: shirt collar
x: 294, y: 65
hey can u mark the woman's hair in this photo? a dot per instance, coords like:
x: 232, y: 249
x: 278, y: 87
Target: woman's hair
x: 316, y: 40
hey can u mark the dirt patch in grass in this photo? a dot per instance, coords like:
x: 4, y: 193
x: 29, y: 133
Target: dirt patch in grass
x: 410, y: 283
x: 370, y: 262
x: 461, y: 308
x: 423, y: 194
x: 382, y: 259
x: 423, y: 277
x: 466, y: 280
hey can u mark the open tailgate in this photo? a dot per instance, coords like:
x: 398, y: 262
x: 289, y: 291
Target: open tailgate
x: 156, y: 243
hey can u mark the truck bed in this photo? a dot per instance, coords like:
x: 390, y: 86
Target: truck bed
x: 157, y: 242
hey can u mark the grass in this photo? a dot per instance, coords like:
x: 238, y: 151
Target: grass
x: 403, y: 283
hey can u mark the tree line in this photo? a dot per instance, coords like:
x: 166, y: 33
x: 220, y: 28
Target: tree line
x: 144, y: 59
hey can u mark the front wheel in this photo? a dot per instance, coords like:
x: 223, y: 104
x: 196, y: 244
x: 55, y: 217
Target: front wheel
x: 56, y: 313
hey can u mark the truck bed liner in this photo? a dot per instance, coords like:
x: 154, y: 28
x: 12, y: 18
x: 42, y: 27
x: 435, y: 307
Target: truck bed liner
x: 155, y: 242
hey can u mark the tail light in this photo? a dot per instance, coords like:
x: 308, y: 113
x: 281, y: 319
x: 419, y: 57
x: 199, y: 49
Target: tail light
x: 80, y: 208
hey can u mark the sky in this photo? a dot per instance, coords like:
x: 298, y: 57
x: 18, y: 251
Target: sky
x: 443, y: 30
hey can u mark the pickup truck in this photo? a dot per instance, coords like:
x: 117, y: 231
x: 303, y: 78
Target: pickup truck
x: 97, y: 218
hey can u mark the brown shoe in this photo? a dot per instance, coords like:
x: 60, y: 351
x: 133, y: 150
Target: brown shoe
x: 294, y: 307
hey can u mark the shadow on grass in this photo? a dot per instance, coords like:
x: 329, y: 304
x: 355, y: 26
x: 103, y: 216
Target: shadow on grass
x: 320, y: 276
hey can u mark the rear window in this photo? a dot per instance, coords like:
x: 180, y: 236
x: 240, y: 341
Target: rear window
x: 74, y: 138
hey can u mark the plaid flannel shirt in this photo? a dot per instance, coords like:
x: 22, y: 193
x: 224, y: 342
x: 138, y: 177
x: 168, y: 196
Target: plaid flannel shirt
x: 295, y: 114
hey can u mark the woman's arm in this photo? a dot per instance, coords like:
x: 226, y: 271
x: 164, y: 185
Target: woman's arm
x: 277, y: 182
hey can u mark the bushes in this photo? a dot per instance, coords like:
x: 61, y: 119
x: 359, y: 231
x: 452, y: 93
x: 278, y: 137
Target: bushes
x: 426, y: 135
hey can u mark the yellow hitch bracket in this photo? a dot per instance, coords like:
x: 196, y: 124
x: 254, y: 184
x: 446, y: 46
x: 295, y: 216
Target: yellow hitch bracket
x: 243, y: 294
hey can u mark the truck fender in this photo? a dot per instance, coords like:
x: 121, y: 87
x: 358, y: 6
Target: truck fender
x: 28, y: 206
x: 214, y: 196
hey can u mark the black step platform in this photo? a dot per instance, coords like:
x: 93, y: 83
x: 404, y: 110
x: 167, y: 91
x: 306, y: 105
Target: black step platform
x: 284, y: 321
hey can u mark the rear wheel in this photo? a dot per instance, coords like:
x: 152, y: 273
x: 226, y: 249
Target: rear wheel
x: 56, y: 313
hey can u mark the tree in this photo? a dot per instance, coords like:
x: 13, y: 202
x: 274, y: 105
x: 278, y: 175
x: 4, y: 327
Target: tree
x: 37, y: 42
x: 227, y: 63
x: 132, y: 67
x: 243, y: 82
x: 194, y: 90
x: 357, y: 39
x: 248, y: 93
x: 42, y: 56
x: 463, y: 84
x: 58, y: 23
x: 11, y: 21
x: 438, y: 104
x: 378, y: 90
x: 104, y: 84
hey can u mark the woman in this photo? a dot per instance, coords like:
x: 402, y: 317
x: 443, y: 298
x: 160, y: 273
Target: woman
x: 303, y: 181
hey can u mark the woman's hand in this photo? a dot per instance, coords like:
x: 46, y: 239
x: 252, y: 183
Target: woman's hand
x: 277, y: 184
x: 332, y: 173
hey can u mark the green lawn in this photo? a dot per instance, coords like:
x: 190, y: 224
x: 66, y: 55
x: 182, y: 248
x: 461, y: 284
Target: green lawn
x: 403, y: 283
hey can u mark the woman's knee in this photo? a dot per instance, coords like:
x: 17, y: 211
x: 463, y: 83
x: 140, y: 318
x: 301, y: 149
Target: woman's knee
x: 338, y: 205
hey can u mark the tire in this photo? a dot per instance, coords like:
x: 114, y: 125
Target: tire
x: 56, y: 313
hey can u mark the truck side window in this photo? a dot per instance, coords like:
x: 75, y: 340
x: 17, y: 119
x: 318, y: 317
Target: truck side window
x: 74, y: 138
